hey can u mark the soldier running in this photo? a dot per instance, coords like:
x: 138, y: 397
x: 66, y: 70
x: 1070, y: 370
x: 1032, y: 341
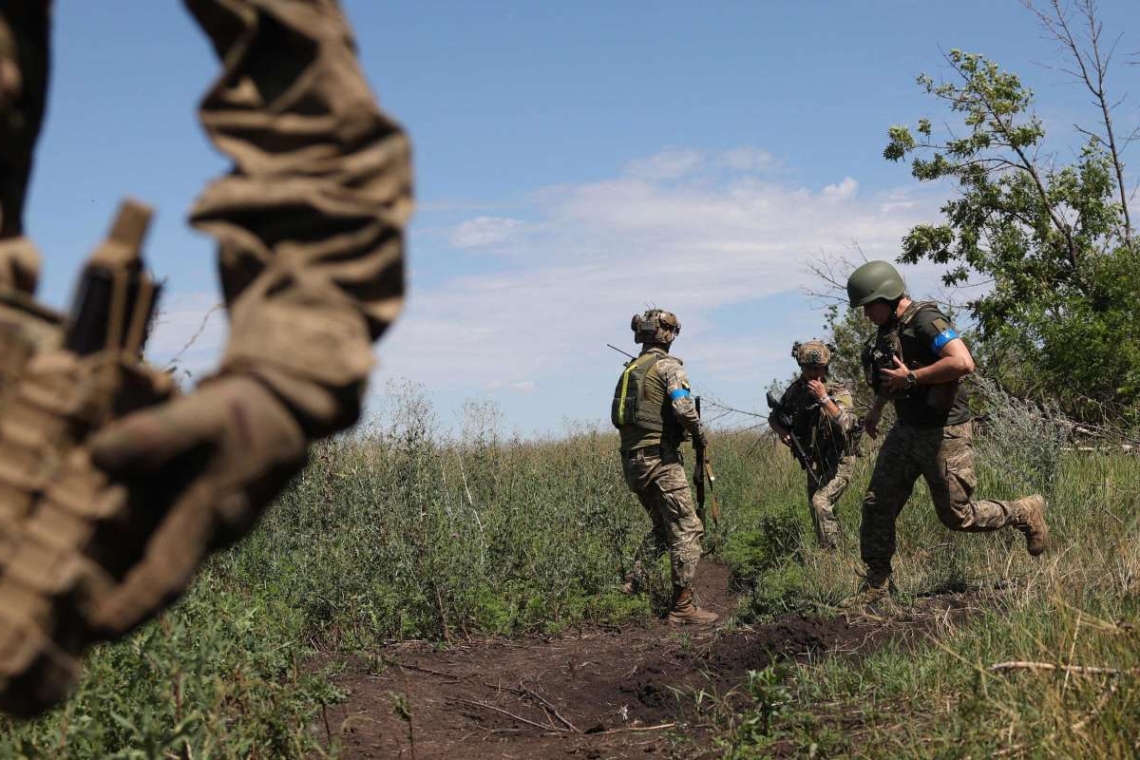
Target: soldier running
x: 917, y: 361
x: 654, y: 411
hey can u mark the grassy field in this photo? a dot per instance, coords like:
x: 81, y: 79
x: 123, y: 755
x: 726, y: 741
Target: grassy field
x: 401, y: 533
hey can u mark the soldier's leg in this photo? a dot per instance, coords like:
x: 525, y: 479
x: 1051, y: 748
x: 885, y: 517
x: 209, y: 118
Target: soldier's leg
x: 823, y: 499
x: 25, y: 27
x: 638, y: 476
x: 949, y: 472
x: 685, y: 530
x: 812, y: 490
x: 891, y: 483
x: 948, y: 467
x: 654, y: 543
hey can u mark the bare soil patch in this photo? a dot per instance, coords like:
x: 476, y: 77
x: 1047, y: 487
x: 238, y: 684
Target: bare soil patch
x: 598, y: 693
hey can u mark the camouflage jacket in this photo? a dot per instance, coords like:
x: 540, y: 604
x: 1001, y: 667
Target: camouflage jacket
x: 825, y: 439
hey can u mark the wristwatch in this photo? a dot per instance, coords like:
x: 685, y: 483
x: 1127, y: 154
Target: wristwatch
x: 911, y: 380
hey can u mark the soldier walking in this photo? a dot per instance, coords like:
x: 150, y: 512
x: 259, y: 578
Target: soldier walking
x: 653, y: 410
x: 819, y: 416
x: 917, y: 361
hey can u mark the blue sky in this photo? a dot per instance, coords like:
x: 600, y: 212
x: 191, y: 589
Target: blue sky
x: 574, y: 164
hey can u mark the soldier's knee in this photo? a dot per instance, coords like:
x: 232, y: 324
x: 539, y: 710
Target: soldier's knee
x: 955, y: 514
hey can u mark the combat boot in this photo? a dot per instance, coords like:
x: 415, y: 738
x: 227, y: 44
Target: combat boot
x: 685, y: 610
x: 876, y: 587
x: 1029, y: 518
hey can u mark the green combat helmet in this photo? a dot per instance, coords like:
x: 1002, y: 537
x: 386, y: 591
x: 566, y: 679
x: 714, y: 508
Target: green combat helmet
x: 814, y: 353
x: 655, y: 326
x: 874, y: 281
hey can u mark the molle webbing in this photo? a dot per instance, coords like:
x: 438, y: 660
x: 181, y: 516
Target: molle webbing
x: 639, y: 397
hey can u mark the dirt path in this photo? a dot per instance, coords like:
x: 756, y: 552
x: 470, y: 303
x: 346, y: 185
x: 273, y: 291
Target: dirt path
x: 595, y: 694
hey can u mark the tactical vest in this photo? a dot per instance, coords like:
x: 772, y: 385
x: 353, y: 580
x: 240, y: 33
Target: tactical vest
x: 824, y: 442
x: 925, y: 405
x: 888, y: 343
x: 641, y: 410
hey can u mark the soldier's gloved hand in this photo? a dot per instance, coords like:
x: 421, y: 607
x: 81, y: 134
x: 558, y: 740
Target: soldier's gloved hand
x: 700, y: 441
x: 202, y: 467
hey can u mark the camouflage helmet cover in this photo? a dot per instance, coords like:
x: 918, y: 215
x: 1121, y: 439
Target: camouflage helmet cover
x: 874, y: 281
x: 813, y: 353
x: 655, y: 326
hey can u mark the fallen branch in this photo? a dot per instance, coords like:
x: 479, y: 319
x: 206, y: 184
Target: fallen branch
x: 551, y: 708
x: 631, y: 728
x: 510, y: 715
x: 1091, y: 669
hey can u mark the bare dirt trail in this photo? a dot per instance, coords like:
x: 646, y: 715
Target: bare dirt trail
x: 617, y: 693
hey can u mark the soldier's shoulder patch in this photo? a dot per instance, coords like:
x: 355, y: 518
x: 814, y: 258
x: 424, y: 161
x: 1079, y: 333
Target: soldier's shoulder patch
x: 941, y: 324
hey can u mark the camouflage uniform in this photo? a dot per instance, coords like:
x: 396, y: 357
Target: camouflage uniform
x: 830, y: 446
x: 944, y: 457
x: 310, y: 229
x: 655, y: 472
x: 931, y: 438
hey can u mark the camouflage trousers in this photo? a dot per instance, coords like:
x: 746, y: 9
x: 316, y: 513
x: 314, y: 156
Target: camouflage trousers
x: 834, y: 477
x: 944, y: 456
x: 659, y: 481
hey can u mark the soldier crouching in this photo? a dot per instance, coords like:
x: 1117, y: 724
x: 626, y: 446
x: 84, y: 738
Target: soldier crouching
x: 653, y: 409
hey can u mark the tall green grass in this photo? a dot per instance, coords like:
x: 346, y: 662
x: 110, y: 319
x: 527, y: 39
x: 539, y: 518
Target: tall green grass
x: 400, y: 531
x: 1078, y: 605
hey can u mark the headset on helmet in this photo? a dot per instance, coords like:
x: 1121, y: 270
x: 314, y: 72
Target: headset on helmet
x: 655, y: 326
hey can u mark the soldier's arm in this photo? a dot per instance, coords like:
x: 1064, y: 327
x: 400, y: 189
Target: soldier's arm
x: 24, y: 51
x: 310, y: 222
x: 309, y: 226
x: 680, y: 395
x: 954, y: 358
x: 839, y: 411
x: 954, y: 362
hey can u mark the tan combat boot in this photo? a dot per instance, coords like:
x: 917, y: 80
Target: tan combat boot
x: 1029, y: 518
x: 685, y: 610
x: 876, y: 587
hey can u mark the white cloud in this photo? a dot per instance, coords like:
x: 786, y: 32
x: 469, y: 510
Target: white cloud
x: 672, y: 163
x: 486, y: 231
x: 709, y: 245
x: 748, y: 160
x: 842, y: 191
x: 696, y: 243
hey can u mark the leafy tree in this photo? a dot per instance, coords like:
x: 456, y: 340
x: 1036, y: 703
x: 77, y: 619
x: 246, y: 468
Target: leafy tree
x: 1052, y: 241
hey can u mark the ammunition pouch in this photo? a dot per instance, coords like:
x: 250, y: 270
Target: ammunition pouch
x: 61, y: 380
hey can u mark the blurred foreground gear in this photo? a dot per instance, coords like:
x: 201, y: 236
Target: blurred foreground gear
x: 113, y: 489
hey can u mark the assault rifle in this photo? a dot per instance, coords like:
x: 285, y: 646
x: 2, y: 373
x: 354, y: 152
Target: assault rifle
x: 627, y: 353
x: 702, y: 473
x: 784, y: 419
